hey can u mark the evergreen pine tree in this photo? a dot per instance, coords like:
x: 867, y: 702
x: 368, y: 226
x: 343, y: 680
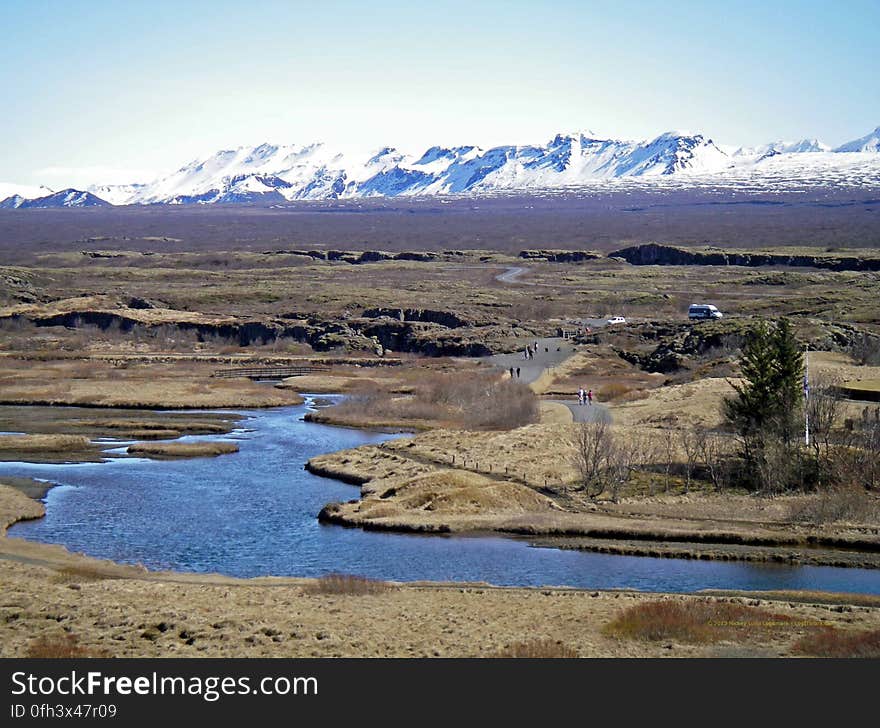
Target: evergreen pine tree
x: 767, y: 407
x: 754, y: 404
x: 788, y: 383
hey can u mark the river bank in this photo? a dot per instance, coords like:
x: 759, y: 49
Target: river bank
x: 126, y: 611
x: 511, y: 483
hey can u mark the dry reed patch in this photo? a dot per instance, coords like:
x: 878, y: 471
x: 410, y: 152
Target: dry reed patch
x: 44, y: 443
x: 538, y: 649
x: 79, y: 573
x: 833, y: 642
x: 182, y: 449
x: 697, y: 621
x: 348, y: 585
x: 64, y: 646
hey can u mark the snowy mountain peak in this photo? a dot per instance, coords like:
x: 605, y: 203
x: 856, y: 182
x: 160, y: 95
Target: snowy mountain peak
x: 65, y: 198
x: 868, y: 143
x: 278, y: 173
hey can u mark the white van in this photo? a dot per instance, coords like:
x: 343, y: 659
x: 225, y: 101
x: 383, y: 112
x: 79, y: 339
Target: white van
x: 699, y: 311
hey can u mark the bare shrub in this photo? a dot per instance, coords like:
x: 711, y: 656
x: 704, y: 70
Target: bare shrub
x: 538, y: 649
x: 348, y: 585
x: 842, y: 503
x: 866, y: 350
x: 594, y: 456
x: 630, y: 454
x: 857, y: 458
x: 838, y: 643
x: 612, y: 391
x: 667, y: 454
x: 689, y: 441
x: 604, y: 461
x: 824, y: 410
x: 692, y: 621
x: 64, y: 646
x: 716, y: 454
x: 479, y: 401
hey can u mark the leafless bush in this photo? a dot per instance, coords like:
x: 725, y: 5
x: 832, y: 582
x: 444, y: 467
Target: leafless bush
x: 348, y: 584
x: 667, y: 455
x: 715, y: 453
x: 689, y: 441
x: 595, y: 453
x: 866, y: 350
x: 841, y: 503
x: 824, y: 409
x: 857, y: 457
x: 630, y: 454
x: 613, y: 390
x: 604, y: 461
x: 475, y: 402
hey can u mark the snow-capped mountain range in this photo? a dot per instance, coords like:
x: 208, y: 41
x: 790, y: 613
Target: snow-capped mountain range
x: 277, y: 174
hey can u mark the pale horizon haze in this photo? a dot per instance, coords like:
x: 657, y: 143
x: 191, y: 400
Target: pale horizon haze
x: 104, y: 92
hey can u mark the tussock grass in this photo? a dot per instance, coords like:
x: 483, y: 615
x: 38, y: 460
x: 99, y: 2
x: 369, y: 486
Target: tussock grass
x: 61, y: 647
x: 78, y: 573
x: 44, y: 443
x: 348, y: 585
x: 182, y: 449
x: 833, y: 642
x: 696, y: 622
x: 538, y: 649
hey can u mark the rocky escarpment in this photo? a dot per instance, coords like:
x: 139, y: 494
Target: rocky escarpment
x: 373, y: 256
x: 424, y: 331
x: 667, y: 348
x: 654, y: 254
x: 560, y: 256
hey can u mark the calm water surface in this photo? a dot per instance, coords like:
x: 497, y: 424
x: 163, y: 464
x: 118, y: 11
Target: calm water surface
x: 254, y: 514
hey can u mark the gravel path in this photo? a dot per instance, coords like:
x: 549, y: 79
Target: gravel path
x: 587, y: 412
x: 557, y: 351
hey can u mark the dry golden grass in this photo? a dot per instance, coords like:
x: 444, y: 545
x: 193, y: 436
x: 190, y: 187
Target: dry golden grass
x: 174, y: 384
x: 75, y: 573
x: 65, y: 646
x: 696, y: 403
x: 554, y: 413
x: 182, y: 449
x: 44, y: 443
x: 538, y: 649
x: 692, y: 621
x: 347, y: 585
x: 839, y: 643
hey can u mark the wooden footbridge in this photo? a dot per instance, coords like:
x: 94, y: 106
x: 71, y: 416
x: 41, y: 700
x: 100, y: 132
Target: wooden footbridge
x: 278, y: 372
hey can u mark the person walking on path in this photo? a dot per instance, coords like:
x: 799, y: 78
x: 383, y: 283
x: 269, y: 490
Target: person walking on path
x: 581, y: 396
x: 590, y: 396
x: 517, y: 372
x: 511, y: 372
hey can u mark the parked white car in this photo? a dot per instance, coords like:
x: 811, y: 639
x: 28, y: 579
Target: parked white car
x: 616, y: 320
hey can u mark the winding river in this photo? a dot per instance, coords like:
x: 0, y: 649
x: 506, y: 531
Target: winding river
x: 254, y: 514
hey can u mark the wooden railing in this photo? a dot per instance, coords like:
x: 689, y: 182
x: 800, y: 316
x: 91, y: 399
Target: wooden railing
x: 268, y: 372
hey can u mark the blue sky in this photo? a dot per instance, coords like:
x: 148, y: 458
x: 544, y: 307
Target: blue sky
x: 111, y: 91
